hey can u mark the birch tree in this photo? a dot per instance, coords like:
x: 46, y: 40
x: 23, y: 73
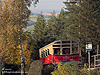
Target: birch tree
x: 13, y: 17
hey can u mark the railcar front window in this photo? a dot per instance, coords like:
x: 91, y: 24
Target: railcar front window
x: 41, y: 54
x: 48, y: 51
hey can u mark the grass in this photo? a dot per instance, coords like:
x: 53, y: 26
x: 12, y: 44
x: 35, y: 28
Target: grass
x: 29, y: 28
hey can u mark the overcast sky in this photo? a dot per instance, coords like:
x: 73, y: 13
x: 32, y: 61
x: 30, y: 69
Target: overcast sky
x: 48, y: 5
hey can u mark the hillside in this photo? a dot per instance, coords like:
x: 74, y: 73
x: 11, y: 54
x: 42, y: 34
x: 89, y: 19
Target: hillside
x: 33, y: 18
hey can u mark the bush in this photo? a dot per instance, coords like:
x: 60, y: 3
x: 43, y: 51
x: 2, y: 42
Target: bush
x: 95, y: 72
x: 73, y: 68
x: 69, y: 68
x: 36, y: 68
x: 47, y: 69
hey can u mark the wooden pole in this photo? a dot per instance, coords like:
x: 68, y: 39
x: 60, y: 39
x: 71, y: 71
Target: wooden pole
x: 97, y: 49
x: 94, y: 61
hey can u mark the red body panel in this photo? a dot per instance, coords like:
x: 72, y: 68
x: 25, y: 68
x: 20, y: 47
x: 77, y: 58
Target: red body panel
x: 60, y: 58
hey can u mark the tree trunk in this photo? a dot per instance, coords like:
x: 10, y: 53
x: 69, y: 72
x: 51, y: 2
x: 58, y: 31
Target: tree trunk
x: 22, y: 60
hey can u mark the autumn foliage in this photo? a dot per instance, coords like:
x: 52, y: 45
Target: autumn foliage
x: 13, y: 57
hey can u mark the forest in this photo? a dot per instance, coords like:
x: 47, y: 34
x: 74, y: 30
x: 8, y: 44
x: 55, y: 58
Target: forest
x: 80, y: 20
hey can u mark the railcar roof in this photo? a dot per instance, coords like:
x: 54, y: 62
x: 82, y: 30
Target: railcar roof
x: 58, y: 41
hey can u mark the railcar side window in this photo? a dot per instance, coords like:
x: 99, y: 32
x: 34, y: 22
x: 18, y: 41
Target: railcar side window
x: 57, y: 51
x: 57, y: 42
x: 74, y: 47
x: 66, y: 50
x: 65, y: 41
x: 75, y: 50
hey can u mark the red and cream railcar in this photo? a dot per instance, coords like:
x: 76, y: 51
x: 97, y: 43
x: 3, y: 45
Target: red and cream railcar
x: 60, y: 51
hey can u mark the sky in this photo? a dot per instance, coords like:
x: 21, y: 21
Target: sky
x: 48, y: 6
